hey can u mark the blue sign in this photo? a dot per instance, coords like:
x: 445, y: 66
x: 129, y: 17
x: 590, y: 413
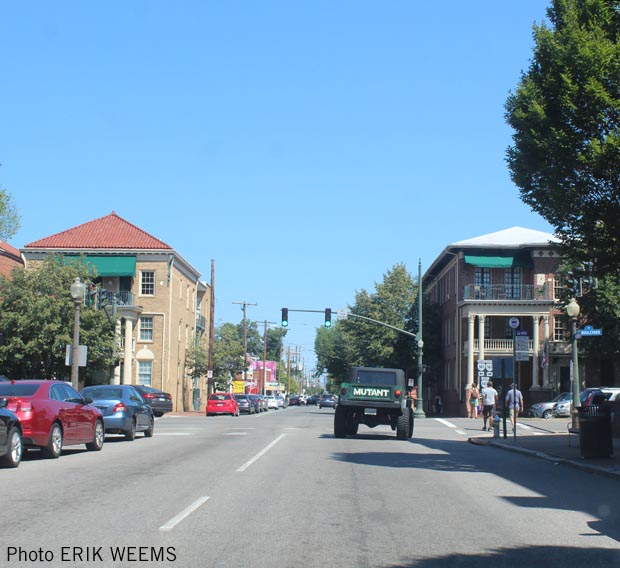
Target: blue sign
x: 589, y: 330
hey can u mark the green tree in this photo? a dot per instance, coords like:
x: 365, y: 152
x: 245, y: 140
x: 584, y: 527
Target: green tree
x: 358, y: 342
x: 565, y: 113
x: 9, y: 216
x: 228, y: 354
x: 36, y: 325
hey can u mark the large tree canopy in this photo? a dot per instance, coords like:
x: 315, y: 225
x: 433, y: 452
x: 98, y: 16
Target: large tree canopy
x: 36, y: 325
x: 359, y: 342
x: 565, y: 114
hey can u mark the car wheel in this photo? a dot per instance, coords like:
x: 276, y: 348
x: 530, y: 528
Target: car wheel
x: 98, y: 438
x: 402, y: 425
x: 131, y: 433
x: 340, y: 424
x: 148, y: 433
x: 54, y: 444
x: 16, y: 449
x: 547, y: 414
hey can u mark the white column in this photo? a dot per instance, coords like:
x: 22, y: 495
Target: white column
x: 128, y: 351
x: 535, y: 361
x: 546, y: 383
x: 117, y: 342
x: 470, y: 349
x: 481, y: 337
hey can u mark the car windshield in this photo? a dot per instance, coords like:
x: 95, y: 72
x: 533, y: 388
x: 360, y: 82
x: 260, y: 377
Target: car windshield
x: 17, y: 389
x: 218, y: 397
x: 103, y: 392
x: 376, y: 378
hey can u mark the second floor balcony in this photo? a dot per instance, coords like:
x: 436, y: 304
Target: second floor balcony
x: 116, y: 298
x: 505, y: 292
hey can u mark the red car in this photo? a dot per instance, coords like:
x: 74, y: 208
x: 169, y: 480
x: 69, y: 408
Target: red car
x: 222, y: 403
x: 53, y: 414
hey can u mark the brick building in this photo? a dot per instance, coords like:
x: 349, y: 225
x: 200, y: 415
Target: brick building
x: 9, y: 259
x: 159, y: 304
x: 482, y: 283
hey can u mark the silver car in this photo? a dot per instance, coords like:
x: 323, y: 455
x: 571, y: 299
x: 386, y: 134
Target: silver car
x: 545, y: 409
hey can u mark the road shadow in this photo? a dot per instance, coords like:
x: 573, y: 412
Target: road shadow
x: 598, y: 498
x: 548, y: 556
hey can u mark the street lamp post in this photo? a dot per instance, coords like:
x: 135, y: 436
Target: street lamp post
x: 77, y: 293
x: 572, y: 310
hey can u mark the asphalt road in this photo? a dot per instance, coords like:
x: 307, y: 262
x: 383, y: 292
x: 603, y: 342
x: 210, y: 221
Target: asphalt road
x: 278, y: 490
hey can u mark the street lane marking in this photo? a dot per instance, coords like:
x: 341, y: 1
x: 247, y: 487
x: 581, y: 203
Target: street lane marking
x: 183, y: 514
x: 445, y: 422
x: 173, y: 434
x: 235, y: 433
x: 261, y: 453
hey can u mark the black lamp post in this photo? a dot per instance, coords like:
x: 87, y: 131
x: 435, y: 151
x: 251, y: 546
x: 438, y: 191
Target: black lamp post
x: 572, y: 310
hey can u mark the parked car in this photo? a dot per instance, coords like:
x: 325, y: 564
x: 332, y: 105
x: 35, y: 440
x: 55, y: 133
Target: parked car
x: 123, y: 408
x: 272, y: 402
x: 256, y: 401
x: 601, y: 396
x: 328, y: 401
x: 222, y: 403
x: 246, y: 405
x: 545, y: 409
x: 562, y: 409
x: 11, y: 444
x: 53, y: 415
x: 158, y: 400
x: 281, y: 401
x: 294, y: 401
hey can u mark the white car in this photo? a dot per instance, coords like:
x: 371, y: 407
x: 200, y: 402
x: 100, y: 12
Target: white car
x: 272, y: 402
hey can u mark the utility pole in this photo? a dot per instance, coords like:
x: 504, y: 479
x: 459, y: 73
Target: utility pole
x: 211, y: 331
x: 264, y: 357
x: 244, y: 306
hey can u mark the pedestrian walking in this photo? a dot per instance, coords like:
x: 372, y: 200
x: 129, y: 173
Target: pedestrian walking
x: 473, y: 400
x: 489, y: 401
x: 514, y: 402
x: 438, y: 404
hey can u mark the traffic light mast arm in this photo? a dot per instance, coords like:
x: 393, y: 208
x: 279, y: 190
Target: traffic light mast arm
x: 382, y: 323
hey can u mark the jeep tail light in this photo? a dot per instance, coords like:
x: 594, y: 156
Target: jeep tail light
x: 397, y: 393
x: 119, y: 407
x: 343, y: 391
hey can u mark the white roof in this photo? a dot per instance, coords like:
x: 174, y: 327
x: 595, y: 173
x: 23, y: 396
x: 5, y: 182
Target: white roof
x: 513, y: 237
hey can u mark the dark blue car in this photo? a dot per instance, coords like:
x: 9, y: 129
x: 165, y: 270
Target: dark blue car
x: 11, y: 445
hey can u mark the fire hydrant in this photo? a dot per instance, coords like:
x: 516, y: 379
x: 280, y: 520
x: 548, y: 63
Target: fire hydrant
x: 496, y: 426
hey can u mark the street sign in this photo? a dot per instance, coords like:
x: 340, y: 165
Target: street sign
x: 343, y: 314
x: 589, y: 330
x: 522, y: 346
x: 485, y: 371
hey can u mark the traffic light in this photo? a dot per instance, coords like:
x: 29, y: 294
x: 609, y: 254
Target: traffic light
x: 91, y: 293
x: 284, y: 317
x: 102, y: 297
x: 328, y: 317
x: 573, y: 284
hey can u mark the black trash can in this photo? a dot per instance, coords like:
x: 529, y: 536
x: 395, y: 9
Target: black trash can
x: 595, y: 437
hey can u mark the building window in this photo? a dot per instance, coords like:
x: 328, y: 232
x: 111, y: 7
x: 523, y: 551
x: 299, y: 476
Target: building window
x: 560, y: 330
x: 512, y: 281
x: 145, y: 372
x: 558, y: 286
x: 147, y: 283
x: 146, y: 329
x: 482, y: 283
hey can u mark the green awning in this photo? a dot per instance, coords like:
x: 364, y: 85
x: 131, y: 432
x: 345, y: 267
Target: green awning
x: 512, y: 261
x: 110, y: 265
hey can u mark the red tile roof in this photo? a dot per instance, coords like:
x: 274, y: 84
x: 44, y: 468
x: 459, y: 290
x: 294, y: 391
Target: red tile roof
x: 109, y: 232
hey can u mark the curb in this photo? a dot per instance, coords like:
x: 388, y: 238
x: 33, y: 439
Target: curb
x: 479, y: 441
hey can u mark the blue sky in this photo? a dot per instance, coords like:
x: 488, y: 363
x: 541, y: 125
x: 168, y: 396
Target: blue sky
x: 307, y: 146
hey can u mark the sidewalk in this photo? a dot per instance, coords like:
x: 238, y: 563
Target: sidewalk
x: 555, y: 448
